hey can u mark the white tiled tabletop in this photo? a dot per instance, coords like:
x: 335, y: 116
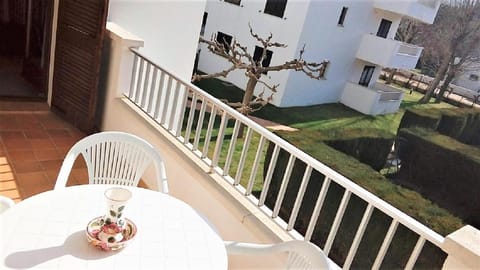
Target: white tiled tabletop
x: 47, y: 231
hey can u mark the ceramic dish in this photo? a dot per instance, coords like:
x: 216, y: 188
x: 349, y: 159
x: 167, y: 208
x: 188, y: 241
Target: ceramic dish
x: 94, y: 227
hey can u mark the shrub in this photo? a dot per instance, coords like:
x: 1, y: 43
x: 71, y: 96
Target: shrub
x: 444, y: 170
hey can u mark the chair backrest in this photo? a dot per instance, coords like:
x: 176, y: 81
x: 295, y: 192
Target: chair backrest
x: 114, y: 157
x: 301, y: 254
x: 5, y: 203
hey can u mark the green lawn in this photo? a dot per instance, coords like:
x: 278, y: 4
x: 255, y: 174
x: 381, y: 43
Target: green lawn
x: 321, y: 120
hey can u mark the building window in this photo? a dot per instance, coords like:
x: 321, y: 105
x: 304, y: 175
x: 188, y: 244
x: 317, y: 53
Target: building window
x: 384, y: 28
x: 473, y: 77
x: 257, y: 54
x: 275, y: 7
x: 235, y: 2
x: 366, y: 75
x: 204, y: 23
x: 225, y: 40
x: 342, y: 16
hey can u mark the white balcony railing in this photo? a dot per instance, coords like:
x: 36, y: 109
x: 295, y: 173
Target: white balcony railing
x: 203, y: 126
x: 388, y: 52
x: 422, y: 10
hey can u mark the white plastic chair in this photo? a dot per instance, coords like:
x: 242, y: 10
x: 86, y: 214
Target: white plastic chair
x: 114, y: 157
x: 301, y: 254
x: 5, y: 203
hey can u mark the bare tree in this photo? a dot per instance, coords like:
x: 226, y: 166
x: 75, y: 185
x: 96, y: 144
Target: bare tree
x: 241, y: 59
x: 452, y: 39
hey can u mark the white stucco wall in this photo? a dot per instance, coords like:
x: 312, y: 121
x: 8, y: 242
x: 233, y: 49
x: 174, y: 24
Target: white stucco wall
x: 170, y: 29
x: 233, y: 20
x: 313, y: 23
x: 325, y: 39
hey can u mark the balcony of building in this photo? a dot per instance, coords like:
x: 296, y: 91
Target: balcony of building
x: 379, y: 99
x: 421, y: 10
x: 239, y: 183
x: 388, y: 52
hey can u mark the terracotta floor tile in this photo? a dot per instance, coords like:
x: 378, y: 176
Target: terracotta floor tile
x: 13, y: 194
x: 42, y: 144
x: 6, y: 168
x: 32, y: 148
x: 33, y: 190
x: 12, y: 134
x: 79, y: 163
x: 27, y: 166
x: 51, y: 176
x: 65, y: 142
x: 8, y: 185
x: 59, y: 133
x: 51, y: 165
x: 31, y: 179
x: 36, y: 134
x: 47, y: 154
x: 17, y: 144
x: 6, y: 176
x: 21, y: 155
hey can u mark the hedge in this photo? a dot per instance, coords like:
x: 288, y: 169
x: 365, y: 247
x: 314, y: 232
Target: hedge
x: 367, y: 146
x: 444, y: 170
x: 460, y: 124
x: 408, y: 201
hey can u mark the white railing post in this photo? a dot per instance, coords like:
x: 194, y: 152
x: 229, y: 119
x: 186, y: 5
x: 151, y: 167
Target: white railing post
x: 121, y: 58
x: 463, y: 249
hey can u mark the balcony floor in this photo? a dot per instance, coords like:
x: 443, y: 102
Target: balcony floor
x: 33, y: 143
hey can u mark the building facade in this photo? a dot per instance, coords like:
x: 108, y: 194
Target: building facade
x: 357, y: 37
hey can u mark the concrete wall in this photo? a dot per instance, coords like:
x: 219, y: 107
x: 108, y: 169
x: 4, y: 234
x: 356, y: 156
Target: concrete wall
x: 314, y: 23
x: 233, y: 20
x: 170, y: 29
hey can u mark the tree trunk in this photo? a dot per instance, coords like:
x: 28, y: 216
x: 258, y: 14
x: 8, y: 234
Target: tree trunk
x: 247, y: 97
x: 446, y: 83
x: 438, y: 77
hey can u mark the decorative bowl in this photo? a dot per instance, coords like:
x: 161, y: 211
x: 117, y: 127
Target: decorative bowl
x: 94, y: 228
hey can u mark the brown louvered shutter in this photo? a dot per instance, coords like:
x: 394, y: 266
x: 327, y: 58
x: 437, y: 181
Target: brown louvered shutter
x: 80, y: 31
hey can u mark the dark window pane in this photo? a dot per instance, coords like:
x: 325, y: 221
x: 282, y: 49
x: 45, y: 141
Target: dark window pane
x: 225, y: 40
x: 384, y: 28
x: 235, y: 2
x: 204, y: 23
x: 342, y: 15
x: 366, y: 75
x: 257, y: 54
x: 275, y: 7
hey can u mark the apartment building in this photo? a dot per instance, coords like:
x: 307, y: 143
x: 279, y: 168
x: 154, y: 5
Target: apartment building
x: 357, y: 36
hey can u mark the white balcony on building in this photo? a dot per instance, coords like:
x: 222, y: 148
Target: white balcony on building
x: 388, y: 52
x: 380, y: 99
x: 421, y: 10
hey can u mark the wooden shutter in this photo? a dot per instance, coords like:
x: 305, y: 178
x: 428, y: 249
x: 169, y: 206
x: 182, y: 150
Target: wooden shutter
x: 80, y: 31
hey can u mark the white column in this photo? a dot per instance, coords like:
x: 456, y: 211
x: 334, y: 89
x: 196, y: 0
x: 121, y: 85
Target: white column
x: 463, y: 249
x: 120, y: 58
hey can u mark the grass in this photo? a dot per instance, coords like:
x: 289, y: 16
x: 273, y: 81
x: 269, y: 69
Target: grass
x: 326, y: 120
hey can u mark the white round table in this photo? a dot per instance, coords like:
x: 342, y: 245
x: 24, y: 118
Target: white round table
x: 47, y: 231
